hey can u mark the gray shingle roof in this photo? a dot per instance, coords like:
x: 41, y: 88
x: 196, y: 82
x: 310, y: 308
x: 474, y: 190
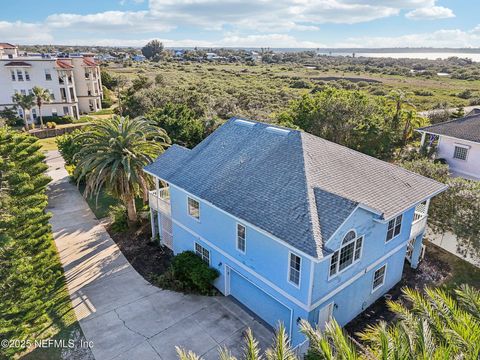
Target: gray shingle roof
x: 466, y: 128
x: 294, y: 185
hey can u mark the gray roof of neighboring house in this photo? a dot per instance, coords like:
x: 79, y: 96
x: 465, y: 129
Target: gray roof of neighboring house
x: 466, y: 128
x: 296, y: 186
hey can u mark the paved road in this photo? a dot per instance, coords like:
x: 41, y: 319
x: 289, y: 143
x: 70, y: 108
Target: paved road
x: 125, y: 316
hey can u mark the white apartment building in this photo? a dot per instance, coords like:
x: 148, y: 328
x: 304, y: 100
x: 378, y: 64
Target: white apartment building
x: 73, y: 81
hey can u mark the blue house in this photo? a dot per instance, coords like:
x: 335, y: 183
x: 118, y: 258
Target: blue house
x: 298, y: 227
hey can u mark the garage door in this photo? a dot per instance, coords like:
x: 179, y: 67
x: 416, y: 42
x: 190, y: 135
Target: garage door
x: 258, y: 301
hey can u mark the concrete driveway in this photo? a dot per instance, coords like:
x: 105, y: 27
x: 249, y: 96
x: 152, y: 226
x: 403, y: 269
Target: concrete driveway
x: 125, y: 316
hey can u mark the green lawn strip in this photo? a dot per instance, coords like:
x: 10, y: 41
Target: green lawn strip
x: 48, y: 144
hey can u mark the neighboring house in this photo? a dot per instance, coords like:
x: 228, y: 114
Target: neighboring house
x: 458, y: 142
x: 297, y: 226
x: 73, y: 81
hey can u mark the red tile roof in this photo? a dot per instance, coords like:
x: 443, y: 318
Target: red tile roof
x: 17, y: 63
x: 7, y: 46
x: 64, y: 64
x: 89, y: 62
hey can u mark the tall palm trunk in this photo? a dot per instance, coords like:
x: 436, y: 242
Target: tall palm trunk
x: 131, y: 209
x: 40, y: 115
x: 25, y: 119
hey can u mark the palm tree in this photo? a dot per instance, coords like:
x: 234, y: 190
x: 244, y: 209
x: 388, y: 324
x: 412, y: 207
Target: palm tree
x: 26, y: 102
x: 41, y: 96
x: 434, y: 326
x: 412, y: 121
x: 114, y: 152
x: 400, y: 99
x: 280, y: 350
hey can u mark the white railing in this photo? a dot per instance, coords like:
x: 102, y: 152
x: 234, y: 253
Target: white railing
x: 418, y: 225
x: 161, y: 201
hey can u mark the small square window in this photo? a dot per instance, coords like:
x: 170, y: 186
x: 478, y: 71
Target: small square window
x: 460, y: 153
x: 202, y: 252
x: 294, y: 271
x: 193, y: 208
x: 241, y: 237
x: 379, y: 277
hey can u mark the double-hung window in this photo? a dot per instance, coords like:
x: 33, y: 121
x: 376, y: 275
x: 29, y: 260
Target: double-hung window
x: 27, y: 75
x: 379, y: 277
x: 460, y: 152
x: 241, y: 238
x: 48, y: 75
x: 394, y: 227
x: 348, y: 254
x: 12, y: 73
x: 202, y: 252
x: 193, y: 208
x: 294, y: 269
x: 19, y: 75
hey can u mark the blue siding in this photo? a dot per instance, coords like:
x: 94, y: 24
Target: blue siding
x: 271, y: 310
x: 216, y: 231
x: 259, y: 278
x: 374, y: 247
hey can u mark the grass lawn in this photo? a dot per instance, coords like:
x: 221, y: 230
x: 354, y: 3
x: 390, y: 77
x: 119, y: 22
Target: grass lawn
x: 48, y: 144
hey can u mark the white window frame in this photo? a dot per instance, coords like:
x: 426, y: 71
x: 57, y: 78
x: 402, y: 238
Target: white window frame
x: 460, y: 146
x: 188, y: 208
x: 13, y: 75
x: 200, y: 252
x: 383, y: 279
x: 290, y: 254
x: 48, y: 74
x: 387, y: 240
x: 244, y: 239
x: 339, y: 251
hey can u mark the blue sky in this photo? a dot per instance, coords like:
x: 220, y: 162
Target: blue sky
x: 247, y: 23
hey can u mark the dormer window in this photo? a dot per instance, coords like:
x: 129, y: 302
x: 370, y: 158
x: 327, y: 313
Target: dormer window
x: 349, y: 253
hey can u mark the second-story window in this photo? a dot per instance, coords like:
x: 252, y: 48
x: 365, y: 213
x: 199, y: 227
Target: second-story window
x: 19, y: 75
x: 241, y: 238
x: 348, y: 254
x: 193, y: 208
x: 294, y: 269
x: 27, y: 75
x: 12, y: 73
x: 48, y: 75
x: 394, y: 227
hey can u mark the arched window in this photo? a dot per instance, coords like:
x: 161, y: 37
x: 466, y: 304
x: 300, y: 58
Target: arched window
x: 348, y: 254
x: 349, y: 237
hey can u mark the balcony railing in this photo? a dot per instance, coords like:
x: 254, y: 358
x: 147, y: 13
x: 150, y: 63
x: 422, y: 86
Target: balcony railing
x: 419, y: 221
x: 160, y: 201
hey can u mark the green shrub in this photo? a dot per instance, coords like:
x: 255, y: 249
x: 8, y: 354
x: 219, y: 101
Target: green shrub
x: 118, y: 217
x: 188, y: 273
x: 67, y: 147
x: 59, y: 120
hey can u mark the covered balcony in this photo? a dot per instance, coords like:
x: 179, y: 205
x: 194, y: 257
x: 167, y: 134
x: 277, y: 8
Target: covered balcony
x: 419, y: 219
x: 159, y: 200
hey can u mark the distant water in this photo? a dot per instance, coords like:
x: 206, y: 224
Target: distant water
x: 413, y: 55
